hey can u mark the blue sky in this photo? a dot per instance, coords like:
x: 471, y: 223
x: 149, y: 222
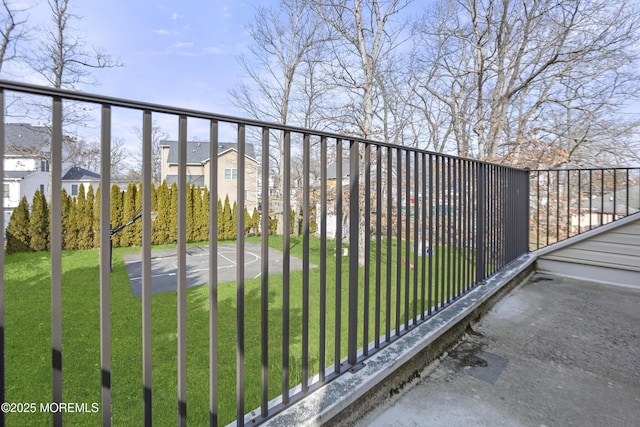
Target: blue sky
x: 176, y: 52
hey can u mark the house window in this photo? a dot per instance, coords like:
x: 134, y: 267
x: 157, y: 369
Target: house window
x: 231, y: 174
x: 74, y: 189
x: 44, y: 166
x: 6, y: 193
x: 41, y: 188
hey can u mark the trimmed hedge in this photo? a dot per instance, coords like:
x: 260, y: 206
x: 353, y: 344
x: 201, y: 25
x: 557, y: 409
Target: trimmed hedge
x: 28, y: 229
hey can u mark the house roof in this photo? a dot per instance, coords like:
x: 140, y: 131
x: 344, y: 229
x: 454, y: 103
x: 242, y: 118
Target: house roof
x: 198, y: 151
x: 17, y: 174
x: 605, y: 203
x: 80, y: 174
x: 23, y: 139
x: 332, y: 169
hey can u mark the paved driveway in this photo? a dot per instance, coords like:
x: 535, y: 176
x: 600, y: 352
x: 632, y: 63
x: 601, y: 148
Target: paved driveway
x: 164, y: 268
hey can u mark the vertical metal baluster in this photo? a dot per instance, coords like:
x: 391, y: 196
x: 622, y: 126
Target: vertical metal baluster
x: 615, y: 191
x: 305, y: 262
x: 557, y: 205
x: 538, y: 210
x: 354, y: 235
x: 323, y: 257
x: 3, y: 396
x: 367, y: 249
x: 56, y: 260
x: 286, y: 265
x: 590, y: 198
x: 481, y: 230
x: 105, y: 260
x: 182, y: 271
x: 416, y: 182
x: 444, y: 258
x: 378, y: 244
x: 407, y: 241
x: 461, y: 190
x: 213, y: 273
x: 389, y: 237
x: 455, y: 255
x: 548, y: 227
x: 568, y: 204
x: 579, y: 201
x: 469, y: 222
x: 430, y: 296
x: 423, y: 242
x: 338, y: 290
x: 436, y: 246
x: 627, y: 190
x: 526, y: 208
x: 601, y: 197
x: 264, y: 272
x: 240, y: 312
x: 147, y: 358
x: 495, y: 218
x: 501, y: 211
x: 398, y: 238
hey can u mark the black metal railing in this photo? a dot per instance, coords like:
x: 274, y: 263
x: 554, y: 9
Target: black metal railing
x: 567, y: 202
x: 422, y: 229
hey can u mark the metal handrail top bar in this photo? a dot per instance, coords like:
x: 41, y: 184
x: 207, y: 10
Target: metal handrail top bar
x: 159, y: 108
x: 587, y: 169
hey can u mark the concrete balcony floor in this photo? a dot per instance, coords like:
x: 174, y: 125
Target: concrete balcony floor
x: 554, y: 352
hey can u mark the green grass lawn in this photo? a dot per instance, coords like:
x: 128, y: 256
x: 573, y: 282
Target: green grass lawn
x: 28, y: 334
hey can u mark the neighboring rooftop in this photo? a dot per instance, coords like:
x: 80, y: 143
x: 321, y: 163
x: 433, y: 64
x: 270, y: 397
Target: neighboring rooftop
x: 198, y: 151
x: 80, y: 174
x: 25, y: 139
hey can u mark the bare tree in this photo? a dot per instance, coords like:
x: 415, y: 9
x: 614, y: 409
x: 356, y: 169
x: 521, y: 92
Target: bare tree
x: 366, y: 88
x: 511, y: 72
x: 12, y: 29
x: 157, y: 136
x: 64, y: 59
x: 86, y: 154
x: 281, y: 85
x: 119, y: 155
x: 365, y: 40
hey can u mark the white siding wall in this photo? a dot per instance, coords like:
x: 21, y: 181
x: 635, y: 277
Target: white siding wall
x: 14, y: 194
x: 610, y: 253
x: 21, y: 164
x: 30, y: 184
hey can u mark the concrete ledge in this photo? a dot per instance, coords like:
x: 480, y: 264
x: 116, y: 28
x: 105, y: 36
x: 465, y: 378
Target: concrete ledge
x: 349, y: 397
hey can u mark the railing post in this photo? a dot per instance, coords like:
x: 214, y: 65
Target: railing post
x: 56, y: 256
x: 481, y: 206
x: 105, y: 294
x: 526, y: 205
x: 354, y: 218
x: 2, y: 286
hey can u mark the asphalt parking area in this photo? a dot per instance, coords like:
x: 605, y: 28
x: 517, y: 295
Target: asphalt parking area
x: 164, y: 266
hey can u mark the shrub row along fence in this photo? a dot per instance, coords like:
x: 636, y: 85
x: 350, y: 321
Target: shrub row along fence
x: 403, y: 233
x: 28, y: 227
x: 567, y: 202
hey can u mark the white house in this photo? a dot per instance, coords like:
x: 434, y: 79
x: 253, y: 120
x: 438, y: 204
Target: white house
x: 26, y: 164
x: 75, y: 176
